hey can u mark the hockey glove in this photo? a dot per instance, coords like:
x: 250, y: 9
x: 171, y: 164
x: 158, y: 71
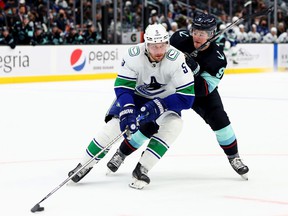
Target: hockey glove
x: 193, y: 65
x: 128, y: 119
x: 152, y: 110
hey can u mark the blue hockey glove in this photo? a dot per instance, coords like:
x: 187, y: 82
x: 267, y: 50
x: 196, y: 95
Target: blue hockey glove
x: 152, y: 110
x: 127, y: 118
x: 192, y: 64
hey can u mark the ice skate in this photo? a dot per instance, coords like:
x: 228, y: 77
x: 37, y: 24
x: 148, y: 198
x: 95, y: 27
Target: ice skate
x: 140, y: 178
x: 80, y: 174
x: 239, y: 167
x: 116, y: 161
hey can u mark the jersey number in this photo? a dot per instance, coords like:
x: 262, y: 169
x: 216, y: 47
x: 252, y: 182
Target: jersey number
x: 184, y: 67
x: 220, y: 73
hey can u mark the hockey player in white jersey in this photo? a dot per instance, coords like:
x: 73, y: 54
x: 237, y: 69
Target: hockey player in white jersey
x: 155, y: 83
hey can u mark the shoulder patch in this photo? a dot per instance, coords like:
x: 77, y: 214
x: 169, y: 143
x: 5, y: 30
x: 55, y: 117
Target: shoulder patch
x: 134, y: 51
x: 184, y: 34
x: 172, y: 54
x: 220, y: 56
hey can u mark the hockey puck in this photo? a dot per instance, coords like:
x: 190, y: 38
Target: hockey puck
x: 37, y: 208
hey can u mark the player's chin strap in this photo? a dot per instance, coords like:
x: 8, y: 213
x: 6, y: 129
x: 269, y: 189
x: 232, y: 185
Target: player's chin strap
x: 240, y: 20
x: 37, y: 207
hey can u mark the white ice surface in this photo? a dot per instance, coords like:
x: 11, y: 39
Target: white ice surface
x: 45, y: 128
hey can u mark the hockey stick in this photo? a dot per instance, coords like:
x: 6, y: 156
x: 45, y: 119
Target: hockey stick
x: 37, y: 207
x: 240, y: 20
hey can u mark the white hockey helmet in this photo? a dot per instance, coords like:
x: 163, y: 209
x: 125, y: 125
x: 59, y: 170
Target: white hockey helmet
x: 156, y: 33
x: 234, y: 19
x: 273, y: 29
x: 222, y: 27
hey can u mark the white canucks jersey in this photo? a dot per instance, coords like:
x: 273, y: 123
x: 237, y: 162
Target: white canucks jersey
x: 150, y: 79
x: 254, y: 37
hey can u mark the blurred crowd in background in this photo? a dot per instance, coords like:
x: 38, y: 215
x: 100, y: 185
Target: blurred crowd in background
x: 54, y: 22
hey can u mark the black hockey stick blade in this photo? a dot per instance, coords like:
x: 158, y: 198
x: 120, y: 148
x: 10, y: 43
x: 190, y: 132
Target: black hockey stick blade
x: 37, y: 208
x: 240, y: 20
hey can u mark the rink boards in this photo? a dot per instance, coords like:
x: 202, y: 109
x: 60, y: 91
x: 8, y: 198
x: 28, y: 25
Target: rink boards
x: 68, y: 63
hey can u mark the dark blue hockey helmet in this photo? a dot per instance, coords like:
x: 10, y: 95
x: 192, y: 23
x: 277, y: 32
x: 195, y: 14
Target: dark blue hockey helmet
x: 204, y: 22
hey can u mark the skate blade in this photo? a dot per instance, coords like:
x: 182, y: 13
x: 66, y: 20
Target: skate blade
x: 244, y: 176
x: 137, y: 184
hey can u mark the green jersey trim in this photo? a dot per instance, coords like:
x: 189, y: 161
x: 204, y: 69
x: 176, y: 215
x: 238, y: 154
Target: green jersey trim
x: 124, y: 83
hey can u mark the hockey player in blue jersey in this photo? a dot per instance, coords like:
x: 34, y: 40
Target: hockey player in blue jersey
x: 155, y: 83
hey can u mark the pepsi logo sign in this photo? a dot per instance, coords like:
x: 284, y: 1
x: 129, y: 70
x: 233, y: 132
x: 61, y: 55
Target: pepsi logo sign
x: 77, y: 60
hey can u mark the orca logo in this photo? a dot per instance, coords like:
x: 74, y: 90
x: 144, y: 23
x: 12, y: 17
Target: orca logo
x: 77, y: 60
x: 152, y: 89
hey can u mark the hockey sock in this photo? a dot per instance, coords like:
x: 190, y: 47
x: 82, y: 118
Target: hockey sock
x: 126, y: 148
x: 154, y: 152
x: 227, y: 140
x: 231, y: 149
x: 158, y: 147
x: 136, y: 141
x: 93, y: 148
x: 139, y: 138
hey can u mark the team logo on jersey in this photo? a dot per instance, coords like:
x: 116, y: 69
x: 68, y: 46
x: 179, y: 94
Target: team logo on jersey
x: 77, y: 60
x: 152, y: 89
x: 183, y: 34
x: 172, y: 54
x: 134, y: 51
x: 220, y: 56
